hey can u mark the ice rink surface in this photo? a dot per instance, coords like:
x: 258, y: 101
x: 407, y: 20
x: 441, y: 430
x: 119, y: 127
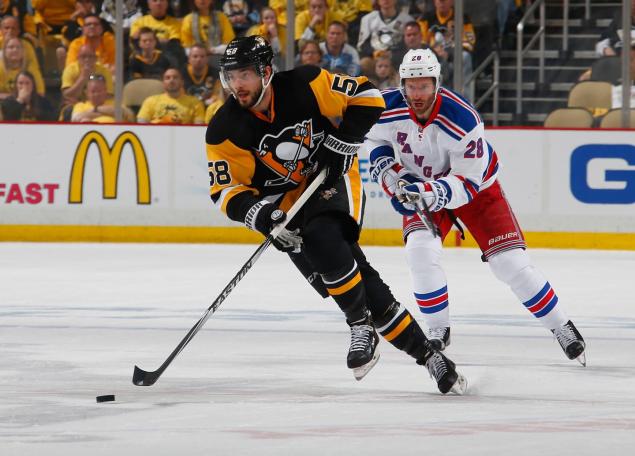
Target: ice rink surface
x: 267, y: 374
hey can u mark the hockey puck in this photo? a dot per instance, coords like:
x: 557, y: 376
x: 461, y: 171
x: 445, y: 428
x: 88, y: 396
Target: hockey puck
x: 106, y: 398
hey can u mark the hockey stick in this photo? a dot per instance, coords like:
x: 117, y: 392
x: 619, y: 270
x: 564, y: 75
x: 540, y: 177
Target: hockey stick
x: 145, y: 378
x: 424, y: 212
x: 422, y: 209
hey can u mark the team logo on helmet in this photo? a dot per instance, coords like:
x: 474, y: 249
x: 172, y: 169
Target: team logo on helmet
x: 291, y: 153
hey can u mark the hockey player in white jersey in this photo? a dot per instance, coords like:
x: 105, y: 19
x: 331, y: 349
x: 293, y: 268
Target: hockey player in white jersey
x: 428, y: 149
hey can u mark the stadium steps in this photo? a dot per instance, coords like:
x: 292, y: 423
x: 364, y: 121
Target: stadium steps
x: 562, y: 70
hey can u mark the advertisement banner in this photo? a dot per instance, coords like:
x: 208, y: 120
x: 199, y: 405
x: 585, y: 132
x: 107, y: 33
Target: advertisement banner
x: 156, y: 176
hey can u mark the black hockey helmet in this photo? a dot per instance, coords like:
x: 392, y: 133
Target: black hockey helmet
x: 247, y: 51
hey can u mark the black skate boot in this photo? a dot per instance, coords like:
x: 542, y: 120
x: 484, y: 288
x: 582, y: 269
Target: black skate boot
x: 363, y: 353
x: 571, y: 342
x: 444, y: 372
x: 439, y: 338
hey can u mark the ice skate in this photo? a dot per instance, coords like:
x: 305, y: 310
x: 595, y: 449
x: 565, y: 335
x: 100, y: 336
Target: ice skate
x: 571, y: 342
x: 363, y: 353
x: 439, y: 338
x: 444, y: 372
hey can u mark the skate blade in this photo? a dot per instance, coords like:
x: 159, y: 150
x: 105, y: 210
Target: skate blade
x: 460, y: 386
x: 582, y: 359
x: 361, y: 371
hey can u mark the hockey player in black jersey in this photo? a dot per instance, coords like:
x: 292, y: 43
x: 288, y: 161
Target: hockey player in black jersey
x: 264, y: 146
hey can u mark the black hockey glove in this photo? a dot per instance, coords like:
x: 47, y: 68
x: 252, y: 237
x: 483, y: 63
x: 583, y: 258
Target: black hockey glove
x: 264, y: 216
x: 338, y: 157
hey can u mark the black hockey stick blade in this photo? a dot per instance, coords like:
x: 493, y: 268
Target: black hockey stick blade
x: 144, y: 378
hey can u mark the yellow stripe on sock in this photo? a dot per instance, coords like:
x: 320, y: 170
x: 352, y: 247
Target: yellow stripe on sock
x: 347, y: 286
x: 399, y: 329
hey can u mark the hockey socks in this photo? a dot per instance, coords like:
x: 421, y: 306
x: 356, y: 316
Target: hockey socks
x: 428, y: 278
x: 399, y: 328
x: 532, y: 289
x: 347, y: 289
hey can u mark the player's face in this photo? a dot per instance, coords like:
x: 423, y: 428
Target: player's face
x: 419, y: 94
x: 245, y: 84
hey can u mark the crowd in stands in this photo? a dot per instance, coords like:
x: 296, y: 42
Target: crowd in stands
x: 57, y: 57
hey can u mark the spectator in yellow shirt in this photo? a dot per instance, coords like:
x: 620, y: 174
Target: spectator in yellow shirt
x: 313, y: 23
x: 350, y: 10
x: 165, y: 26
x: 208, y: 27
x: 13, y: 62
x: 99, y: 106
x: 51, y: 15
x: 280, y: 7
x: 93, y: 35
x: 10, y: 28
x: 167, y: 29
x: 75, y: 76
x: 172, y: 106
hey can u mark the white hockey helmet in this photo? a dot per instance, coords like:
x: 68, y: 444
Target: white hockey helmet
x: 420, y: 63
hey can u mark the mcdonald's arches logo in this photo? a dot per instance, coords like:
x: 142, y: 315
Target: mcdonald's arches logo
x: 110, y: 158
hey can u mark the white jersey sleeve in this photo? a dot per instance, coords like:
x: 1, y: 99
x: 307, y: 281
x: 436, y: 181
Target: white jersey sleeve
x: 472, y: 162
x: 468, y: 160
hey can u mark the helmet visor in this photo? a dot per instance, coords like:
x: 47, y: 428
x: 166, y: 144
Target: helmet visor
x: 246, y: 74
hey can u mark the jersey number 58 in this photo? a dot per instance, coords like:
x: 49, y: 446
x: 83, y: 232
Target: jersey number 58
x: 219, y: 173
x: 344, y: 84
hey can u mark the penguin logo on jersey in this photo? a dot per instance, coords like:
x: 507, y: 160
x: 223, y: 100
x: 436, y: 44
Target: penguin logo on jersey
x: 291, y: 153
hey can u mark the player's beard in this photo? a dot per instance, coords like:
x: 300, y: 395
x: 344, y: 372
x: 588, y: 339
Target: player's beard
x: 250, y: 102
x: 423, y: 106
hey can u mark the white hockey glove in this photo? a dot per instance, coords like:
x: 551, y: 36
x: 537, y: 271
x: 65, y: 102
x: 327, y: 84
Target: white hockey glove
x: 385, y: 172
x: 264, y: 216
x: 433, y: 193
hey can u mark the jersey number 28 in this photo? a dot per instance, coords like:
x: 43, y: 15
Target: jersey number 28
x: 474, y: 149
